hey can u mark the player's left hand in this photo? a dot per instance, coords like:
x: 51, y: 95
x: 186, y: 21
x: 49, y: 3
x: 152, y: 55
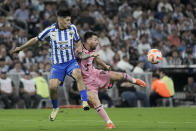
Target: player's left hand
x: 16, y: 50
x: 108, y: 67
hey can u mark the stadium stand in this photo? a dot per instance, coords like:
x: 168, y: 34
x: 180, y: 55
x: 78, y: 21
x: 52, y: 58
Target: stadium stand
x: 168, y: 25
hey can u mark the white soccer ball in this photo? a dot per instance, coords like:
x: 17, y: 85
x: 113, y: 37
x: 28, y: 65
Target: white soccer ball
x: 154, y: 56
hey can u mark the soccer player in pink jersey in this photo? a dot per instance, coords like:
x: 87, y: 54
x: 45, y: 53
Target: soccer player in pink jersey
x: 95, y: 78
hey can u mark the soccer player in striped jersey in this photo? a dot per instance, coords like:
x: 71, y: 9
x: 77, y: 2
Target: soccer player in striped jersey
x: 95, y: 79
x: 62, y: 34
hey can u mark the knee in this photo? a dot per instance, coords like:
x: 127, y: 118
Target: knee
x: 53, y: 85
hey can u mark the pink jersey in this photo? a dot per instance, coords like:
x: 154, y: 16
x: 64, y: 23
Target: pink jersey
x: 86, y: 65
x: 93, y: 78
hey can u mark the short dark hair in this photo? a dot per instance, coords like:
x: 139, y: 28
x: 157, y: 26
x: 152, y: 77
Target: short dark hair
x: 162, y: 71
x: 88, y: 35
x: 63, y: 13
x: 39, y: 73
x: 156, y: 75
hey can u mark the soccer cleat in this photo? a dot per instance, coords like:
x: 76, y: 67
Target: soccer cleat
x: 110, y: 126
x: 54, y: 114
x: 85, y: 105
x: 140, y: 83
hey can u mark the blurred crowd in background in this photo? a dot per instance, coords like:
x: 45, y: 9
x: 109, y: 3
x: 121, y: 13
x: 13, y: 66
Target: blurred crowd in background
x: 127, y: 29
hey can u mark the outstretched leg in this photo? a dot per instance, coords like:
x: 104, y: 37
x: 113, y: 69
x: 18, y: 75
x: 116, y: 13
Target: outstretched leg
x: 114, y: 76
x: 93, y: 99
x: 81, y: 87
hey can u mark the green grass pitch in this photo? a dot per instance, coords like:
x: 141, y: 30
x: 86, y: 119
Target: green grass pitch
x: 125, y: 119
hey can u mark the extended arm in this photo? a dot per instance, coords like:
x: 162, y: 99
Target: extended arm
x: 29, y: 43
x: 102, y: 63
x: 82, y: 55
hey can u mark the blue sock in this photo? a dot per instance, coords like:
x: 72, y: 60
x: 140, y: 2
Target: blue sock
x: 83, y: 95
x: 55, y: 103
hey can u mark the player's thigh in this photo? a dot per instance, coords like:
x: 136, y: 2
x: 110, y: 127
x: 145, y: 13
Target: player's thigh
x: 54, y: 83
x: 93, y: 98
x: 115, y: 75
x: 73, y: 70
x: 76, y: 74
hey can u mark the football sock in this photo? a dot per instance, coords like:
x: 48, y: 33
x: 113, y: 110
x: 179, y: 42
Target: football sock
x: 55, y: 103
x: 101, y: 112
x: 83, y: 95
x: 129, y: 78
x: 109, y: 121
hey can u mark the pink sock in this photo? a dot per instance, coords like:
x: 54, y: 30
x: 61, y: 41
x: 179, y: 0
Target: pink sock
x: 129, y: 78
x: 101, y: 112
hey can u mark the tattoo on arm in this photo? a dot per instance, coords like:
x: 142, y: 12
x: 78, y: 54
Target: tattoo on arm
x: 82, y: 55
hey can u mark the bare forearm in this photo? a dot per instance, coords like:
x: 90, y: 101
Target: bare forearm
x: 101, y: 62
x: 79, y: 48
x: 83, y: 56
x: 29, y: 43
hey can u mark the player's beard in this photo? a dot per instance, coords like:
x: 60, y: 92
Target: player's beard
x: 93, y: 48
x: 67, y: 26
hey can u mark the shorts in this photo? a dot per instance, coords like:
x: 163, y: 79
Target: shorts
x: 59, y: 71
x: 100, y: 79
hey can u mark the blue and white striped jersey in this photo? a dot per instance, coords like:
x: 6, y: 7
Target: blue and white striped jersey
x: 61, y: 42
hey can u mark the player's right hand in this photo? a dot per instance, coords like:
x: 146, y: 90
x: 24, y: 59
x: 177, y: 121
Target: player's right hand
x: 94, y: 54
x: 16, y: 50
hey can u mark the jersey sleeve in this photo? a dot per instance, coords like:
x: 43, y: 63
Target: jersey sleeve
x: 44, y: 34
x: 76, y: 35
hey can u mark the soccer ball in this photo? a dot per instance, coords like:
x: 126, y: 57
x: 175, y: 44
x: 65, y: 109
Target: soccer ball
x: 154, y: 56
